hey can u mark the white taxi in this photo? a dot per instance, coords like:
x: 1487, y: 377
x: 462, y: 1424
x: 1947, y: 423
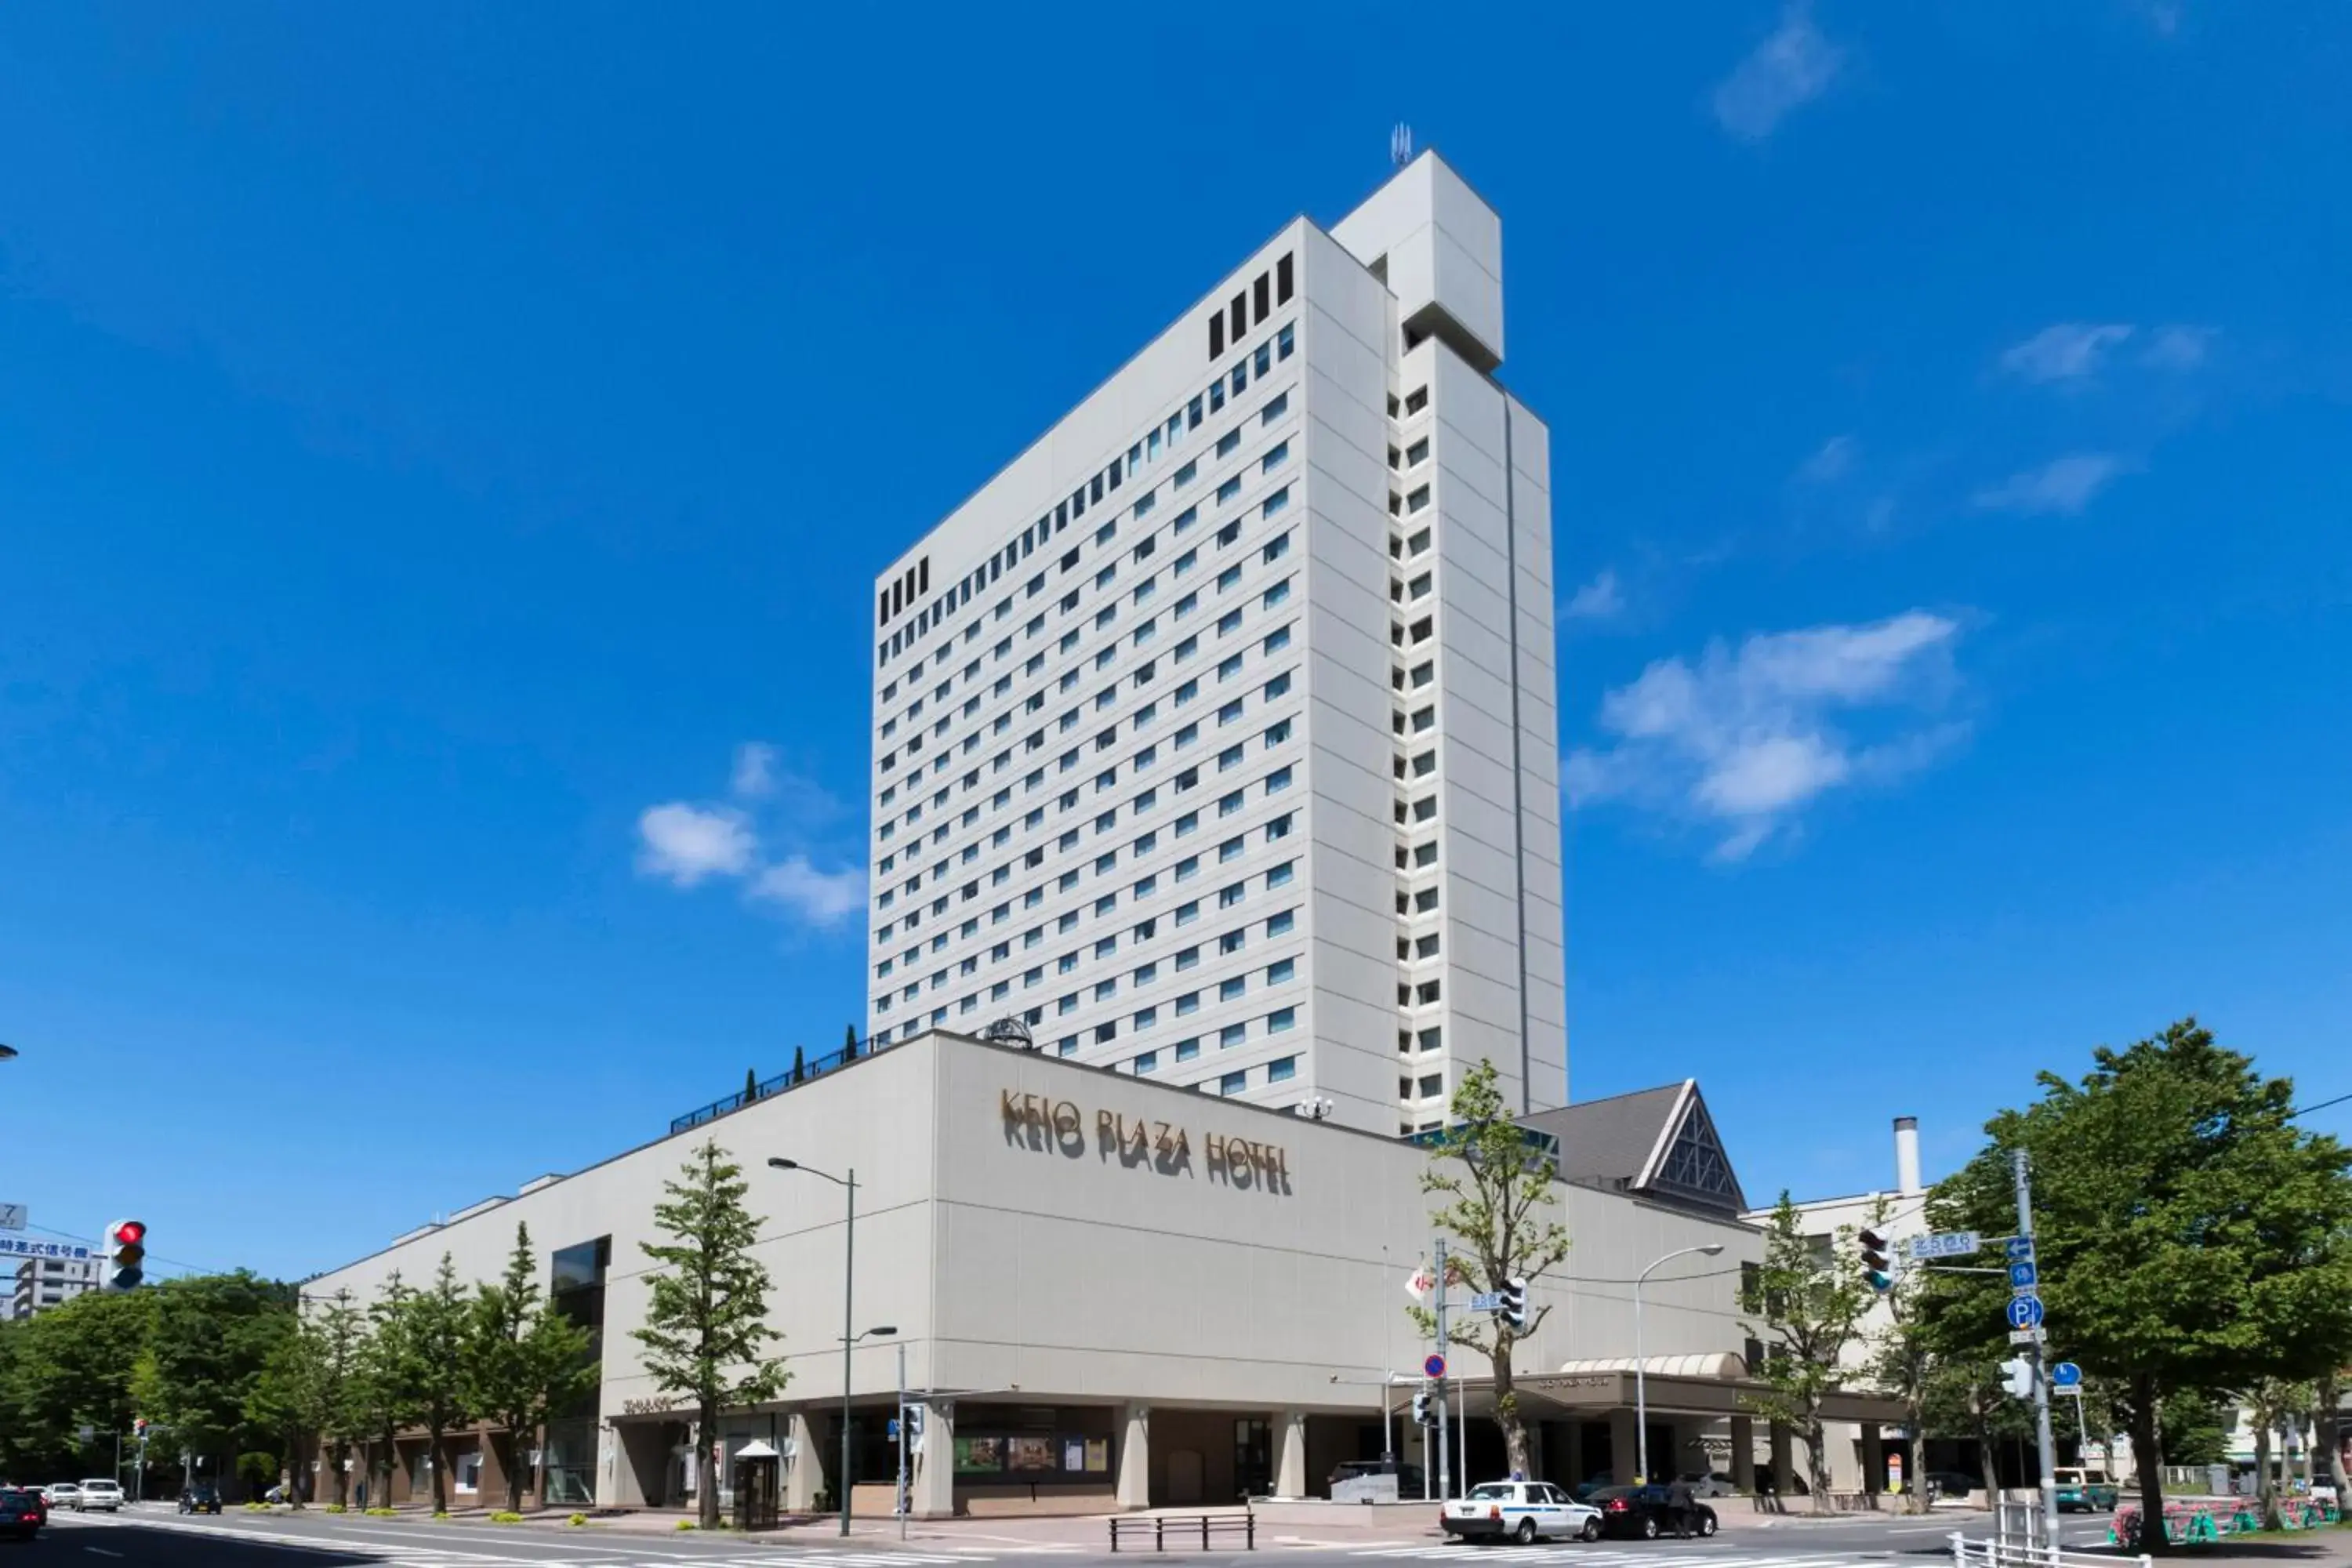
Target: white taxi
x: 1518, y: 1510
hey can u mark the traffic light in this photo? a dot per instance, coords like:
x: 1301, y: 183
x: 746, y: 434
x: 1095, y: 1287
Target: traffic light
x: 1874, y: 1266
x: 1423, y: 1415
x: 126, y: 1251
x: 2016, y: 1376
x: 1513, y: 1309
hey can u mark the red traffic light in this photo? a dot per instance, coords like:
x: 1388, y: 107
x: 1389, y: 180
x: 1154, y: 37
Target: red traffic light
x: 130, y: 1232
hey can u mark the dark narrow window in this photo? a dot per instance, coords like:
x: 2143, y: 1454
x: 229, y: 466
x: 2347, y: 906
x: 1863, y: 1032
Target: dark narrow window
x: 1283, y: 279
x: 882, y: 611
x: 923, y: 575
x: 1216, y: 334
x: 1241, y: 317
x: 1261, y: 293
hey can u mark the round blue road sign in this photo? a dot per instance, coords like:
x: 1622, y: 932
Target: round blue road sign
x: 2025, y: 1311
x: 2065, y: 1375
x: 1434, y: 1367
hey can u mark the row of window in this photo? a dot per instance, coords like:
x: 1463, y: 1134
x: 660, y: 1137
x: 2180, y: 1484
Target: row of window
x: 1105, y: 482
x: 1226, y: 491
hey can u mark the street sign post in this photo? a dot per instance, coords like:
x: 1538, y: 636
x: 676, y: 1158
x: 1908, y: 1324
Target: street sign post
x: 1486, y: 1301
x: 2024, y: 1311
x: 2019, y: 1247
x: 2023, y: 1275
x: 1434, y: 1367
x: 2025, y: 1336
x: 1944, y: 1244
x: 2065, y: 1375
x: 12, y: 1216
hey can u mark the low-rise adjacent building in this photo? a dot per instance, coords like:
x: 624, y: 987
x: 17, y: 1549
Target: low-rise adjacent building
x: 42, y: 1283
x: 1104, y: 1291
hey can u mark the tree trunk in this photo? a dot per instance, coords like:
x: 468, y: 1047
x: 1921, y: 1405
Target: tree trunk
x: 2328, y: 1434
x: 432, y: 1451
x: 1817, y: 1462
x: 2148, y: 1459
x: 294, y: 1470
x: 705, y: 1492
x: 1507, y: 1417
x: 2265, y: 1488
x: 335, y: 1458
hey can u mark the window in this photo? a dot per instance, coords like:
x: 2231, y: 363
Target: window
x: 1276, y: 596
x: 1149, y: 1061
x: 1275, y: 455
x: 1275, y: 409
x: 1229, y: 489
x: 1279, y: 925
x: 1186, y: 475
x: 1275, y: 503
x: 1228, y: 897
x: 1187, y: 958
x: 1233, y: 1083
x: 1276, y: 641
x: 1279, y: 876
x: 1417, y: 454
x: 1186, y: 1050
x: 1231, y: 943
x: 1227, y: 442
x: 1275, y: 549
x: 1145, y: 1017
x: 1188, y: 1003
x: 1279, y: 780
x: 1229, y: 623
x: 1285, y: 340
x: 1228, y: 577
x: 1232, y: 1035
x: 1415, y: 401
x: 1417, y: 499
x: 1280, y: 971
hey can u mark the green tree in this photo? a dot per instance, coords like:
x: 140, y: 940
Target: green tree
x: 213, y: 1335
x: 849, y: 1043
x: 2188, y: 1234
x: 706, y: 1326
x: 750, y: 1085
x: 383, y: 1400
x: 70, y: 1367
x: 284, y: 1398
x: 339, y: 1415
x: 1808, y: 1300
x: 800, y: 1064
x: 1902, y: 1360
x: 1964, y: 1396
x: 1496, y: 1193
x: 440, y: 1324
x: 527, y: 1359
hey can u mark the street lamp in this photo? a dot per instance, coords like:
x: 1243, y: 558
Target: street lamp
x: 848, y: 1338
x: 1641, y: 1380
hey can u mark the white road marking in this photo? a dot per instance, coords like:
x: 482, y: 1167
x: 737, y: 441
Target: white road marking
x: 102, y: 1550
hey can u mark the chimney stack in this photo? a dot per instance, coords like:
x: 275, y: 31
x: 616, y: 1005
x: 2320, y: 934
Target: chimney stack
x: 1906, y: 1156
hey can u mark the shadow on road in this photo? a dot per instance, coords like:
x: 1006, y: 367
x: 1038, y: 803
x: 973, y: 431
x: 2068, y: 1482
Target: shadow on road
x: 139, y: 1544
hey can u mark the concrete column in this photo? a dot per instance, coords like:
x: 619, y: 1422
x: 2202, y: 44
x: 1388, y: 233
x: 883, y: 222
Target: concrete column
x: 1290, y: 1454
x: 1743, y: 1453
x: 805, y: 1473
x: 1135, y: 1458
x: 1784, y: 1463
x: 1873, y: 1459
x: 931, y: 1493
x: 1624, y: 1445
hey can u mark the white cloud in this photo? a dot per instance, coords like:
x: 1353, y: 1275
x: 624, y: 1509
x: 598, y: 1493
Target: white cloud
x: 755, y: 771
x: 2178, y: 347
x: 1598, y: 600
x: 762, y: 840
x: 2070, y: 351
x: 820, y: 897
x: 1834, y: 462
x: 1787, y: 69
x: 2061, y: 486
x: 684, y: 844
x: 1741, y: 741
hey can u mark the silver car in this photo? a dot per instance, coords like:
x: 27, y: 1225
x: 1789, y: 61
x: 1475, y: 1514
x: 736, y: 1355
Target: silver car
x: 98, y: 1494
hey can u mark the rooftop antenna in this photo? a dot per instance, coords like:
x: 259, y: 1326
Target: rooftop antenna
x: 1401, y: 145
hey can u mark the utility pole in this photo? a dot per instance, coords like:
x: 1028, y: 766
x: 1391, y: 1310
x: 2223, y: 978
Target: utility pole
x: 2041, y: 1372
x: 1445, y: 1471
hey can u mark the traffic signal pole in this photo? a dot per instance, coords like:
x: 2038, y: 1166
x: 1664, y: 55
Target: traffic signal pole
x: 2034, y: 1359
x: 1444, y: 1469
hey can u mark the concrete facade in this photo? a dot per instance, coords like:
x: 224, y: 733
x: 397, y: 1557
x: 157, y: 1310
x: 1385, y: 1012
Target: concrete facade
x: 1106, y: 1289
x: 1216, y: 736
x: 41, y: 1283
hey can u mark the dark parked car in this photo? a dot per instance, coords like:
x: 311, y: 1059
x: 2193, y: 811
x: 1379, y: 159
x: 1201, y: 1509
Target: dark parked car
x: 1410, y: 1486
x: 1646, y: 1512
x: 1950, y: 1483
x: 22, y: 1512
x: 201, y: 1497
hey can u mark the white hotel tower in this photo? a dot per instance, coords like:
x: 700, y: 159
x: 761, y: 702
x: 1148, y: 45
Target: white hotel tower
x: 1215, y: 737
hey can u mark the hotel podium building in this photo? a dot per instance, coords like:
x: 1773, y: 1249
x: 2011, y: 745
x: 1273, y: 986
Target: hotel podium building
x: 1215, y: 785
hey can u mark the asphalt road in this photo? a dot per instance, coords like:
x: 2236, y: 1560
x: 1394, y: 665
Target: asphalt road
x: 160, y: 1539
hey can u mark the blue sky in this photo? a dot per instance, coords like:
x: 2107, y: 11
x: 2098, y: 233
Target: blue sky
x: 433, y: 436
